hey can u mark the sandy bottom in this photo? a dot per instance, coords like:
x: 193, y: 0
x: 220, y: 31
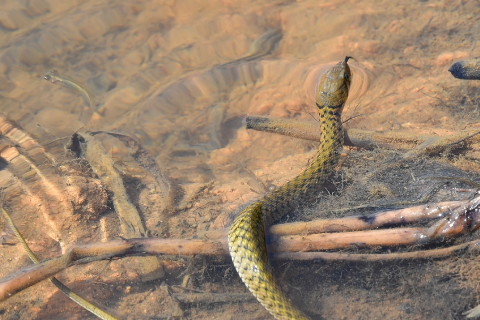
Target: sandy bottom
x: 180, y: 77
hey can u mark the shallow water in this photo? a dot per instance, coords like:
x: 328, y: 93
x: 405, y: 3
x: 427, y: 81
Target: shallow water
x: 180, y: 77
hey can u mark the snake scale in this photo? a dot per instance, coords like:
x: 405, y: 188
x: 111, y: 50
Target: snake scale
x: 246, y: 237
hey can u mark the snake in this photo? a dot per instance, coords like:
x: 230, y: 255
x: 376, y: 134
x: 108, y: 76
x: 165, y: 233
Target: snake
x: 246, y: 235
x: 54, y: 77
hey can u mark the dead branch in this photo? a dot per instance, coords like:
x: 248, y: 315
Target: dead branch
x: 459, y: 217
x: 308, y: 130
x: 365, y: 222
x: 472, y: 246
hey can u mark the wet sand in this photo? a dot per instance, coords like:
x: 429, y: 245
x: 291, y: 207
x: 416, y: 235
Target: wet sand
x: 177, y: 77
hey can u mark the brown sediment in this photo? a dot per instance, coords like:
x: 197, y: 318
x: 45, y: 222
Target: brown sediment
x: 129, y: 52
x: 34, y: 170
x: 92, y: 308
x: 207, y: 297
x: 132, y: 224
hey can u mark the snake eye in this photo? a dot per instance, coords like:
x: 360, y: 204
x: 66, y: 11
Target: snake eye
x: 346, y: 76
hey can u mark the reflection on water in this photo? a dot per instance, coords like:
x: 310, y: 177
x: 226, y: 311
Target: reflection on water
x: 180, y: 77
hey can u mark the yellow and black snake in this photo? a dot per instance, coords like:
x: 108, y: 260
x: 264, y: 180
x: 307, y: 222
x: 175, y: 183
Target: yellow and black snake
x: 246, y: 237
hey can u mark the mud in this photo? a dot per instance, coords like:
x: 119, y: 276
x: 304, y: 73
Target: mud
x: 179, y: 77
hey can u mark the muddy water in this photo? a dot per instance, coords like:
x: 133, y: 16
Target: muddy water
x: 180, y: 77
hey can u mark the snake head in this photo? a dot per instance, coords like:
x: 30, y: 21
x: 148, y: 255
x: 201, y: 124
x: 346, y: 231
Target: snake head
x: 50, y: 75
x: 334, y: 85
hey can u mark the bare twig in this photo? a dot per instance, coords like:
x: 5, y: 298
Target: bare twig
x: 369, y: 257
x: 462, y: 218
x: 364, y: 222
x: 417, y: 145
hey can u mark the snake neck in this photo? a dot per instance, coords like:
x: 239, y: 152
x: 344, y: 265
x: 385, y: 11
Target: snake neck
x: 306, y: 186
x: 331, y: 137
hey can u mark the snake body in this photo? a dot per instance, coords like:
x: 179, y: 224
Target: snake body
x: 246, y: 237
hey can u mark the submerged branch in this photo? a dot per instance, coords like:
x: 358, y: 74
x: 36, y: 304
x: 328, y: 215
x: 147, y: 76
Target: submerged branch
x: 417, y: 145
x: 462, y: 218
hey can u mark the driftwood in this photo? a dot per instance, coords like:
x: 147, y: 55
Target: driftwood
x: 289, y: 241
x: 415, y: 144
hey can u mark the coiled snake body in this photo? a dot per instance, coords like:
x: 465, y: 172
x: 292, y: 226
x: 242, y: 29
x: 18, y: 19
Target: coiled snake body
x: 246, y: 237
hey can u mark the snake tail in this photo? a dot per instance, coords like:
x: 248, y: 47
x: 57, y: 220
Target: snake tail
x: 246, y: 237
